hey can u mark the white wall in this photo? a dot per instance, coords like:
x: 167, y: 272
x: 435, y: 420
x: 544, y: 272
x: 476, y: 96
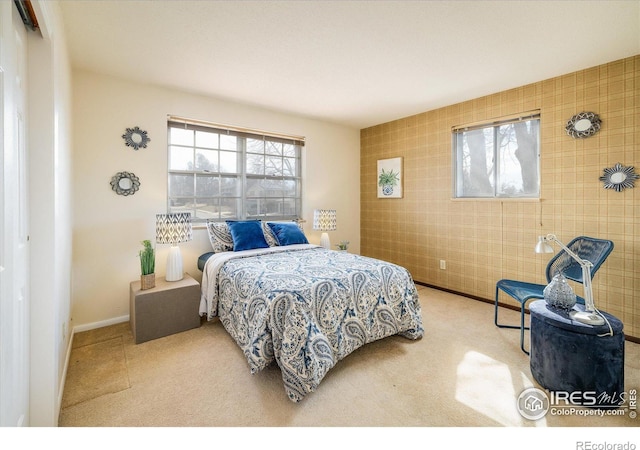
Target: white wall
x: 49, y: 133
x: 108, y: 228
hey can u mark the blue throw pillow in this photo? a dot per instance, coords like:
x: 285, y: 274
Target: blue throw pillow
x: 247, y: 234
x: 287, y: 233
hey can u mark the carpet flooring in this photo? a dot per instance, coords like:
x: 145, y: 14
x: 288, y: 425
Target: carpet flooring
x: 95, y: 370
x: 464, y: 372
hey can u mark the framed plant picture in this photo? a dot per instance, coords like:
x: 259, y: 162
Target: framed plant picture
x: 390, y: 178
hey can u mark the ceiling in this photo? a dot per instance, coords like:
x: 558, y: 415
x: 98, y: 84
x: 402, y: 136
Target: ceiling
x: 357, y: 63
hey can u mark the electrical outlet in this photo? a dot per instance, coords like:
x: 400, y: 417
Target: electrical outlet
x: 443, y: 264
x: 64, y: 331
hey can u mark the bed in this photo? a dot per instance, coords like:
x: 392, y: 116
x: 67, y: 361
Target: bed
x: 298, y: 304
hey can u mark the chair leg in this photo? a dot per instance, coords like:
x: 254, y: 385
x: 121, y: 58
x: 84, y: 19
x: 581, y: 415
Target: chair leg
x: 495, y: 315
x: 521, y: 327
x: 495, y: 318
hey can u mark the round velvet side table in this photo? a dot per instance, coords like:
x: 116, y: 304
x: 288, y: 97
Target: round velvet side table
x: 570, y: 356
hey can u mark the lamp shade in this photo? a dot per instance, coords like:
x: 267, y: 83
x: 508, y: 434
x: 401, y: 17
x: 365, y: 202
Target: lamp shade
x: 543, y: 246
x: 324, y: 219
x: 173, y: 228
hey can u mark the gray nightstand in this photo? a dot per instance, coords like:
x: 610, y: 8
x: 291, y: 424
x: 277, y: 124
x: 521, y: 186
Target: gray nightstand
x: 168, y: 308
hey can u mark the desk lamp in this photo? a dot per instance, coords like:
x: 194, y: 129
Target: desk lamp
x: 590, y: 315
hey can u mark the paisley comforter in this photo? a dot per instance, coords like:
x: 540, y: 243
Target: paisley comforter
x: 307, y: 307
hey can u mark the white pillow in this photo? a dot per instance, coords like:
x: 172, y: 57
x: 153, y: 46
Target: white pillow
x: 220, y: 236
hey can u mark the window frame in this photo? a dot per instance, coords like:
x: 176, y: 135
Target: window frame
x: 290, y: 205
x: 458, y: 132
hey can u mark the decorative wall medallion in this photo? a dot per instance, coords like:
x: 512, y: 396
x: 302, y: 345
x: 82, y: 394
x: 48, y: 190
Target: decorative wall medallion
x: 619, y: 177
x: 583, y: 125
x: 136, y: 138
x: 125, y: 183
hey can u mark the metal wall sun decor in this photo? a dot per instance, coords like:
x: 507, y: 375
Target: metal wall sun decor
x: 136, y: 138
x: 583, y: 125
x: 619, y: 177
x: 125, y: 183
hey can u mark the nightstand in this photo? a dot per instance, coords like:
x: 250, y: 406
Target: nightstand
x: 170, y: 307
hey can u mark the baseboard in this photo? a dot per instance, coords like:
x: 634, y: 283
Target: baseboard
x: 100, y: 324
x: 473, y: 297
x: 64, y: 374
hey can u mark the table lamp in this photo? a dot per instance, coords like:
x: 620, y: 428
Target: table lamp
x: 173, y: 229
x: 324, y: 220
x: 590, y: 315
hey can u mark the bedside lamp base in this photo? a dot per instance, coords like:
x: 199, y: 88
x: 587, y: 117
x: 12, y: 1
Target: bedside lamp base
x: 324, y: 241
x: 174, y: 264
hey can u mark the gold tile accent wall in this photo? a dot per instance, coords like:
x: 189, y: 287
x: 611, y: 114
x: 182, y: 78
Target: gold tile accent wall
x: 483, y: 241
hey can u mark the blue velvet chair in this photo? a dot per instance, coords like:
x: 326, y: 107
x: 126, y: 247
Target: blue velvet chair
x: 592, y: 249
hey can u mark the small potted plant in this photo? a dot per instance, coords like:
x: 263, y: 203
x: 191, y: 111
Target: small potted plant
x: 147, y: 265
x: 343, y: 245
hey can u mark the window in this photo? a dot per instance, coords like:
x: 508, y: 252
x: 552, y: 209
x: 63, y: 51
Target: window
x: 221, y: 173
x: 499, y: 159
